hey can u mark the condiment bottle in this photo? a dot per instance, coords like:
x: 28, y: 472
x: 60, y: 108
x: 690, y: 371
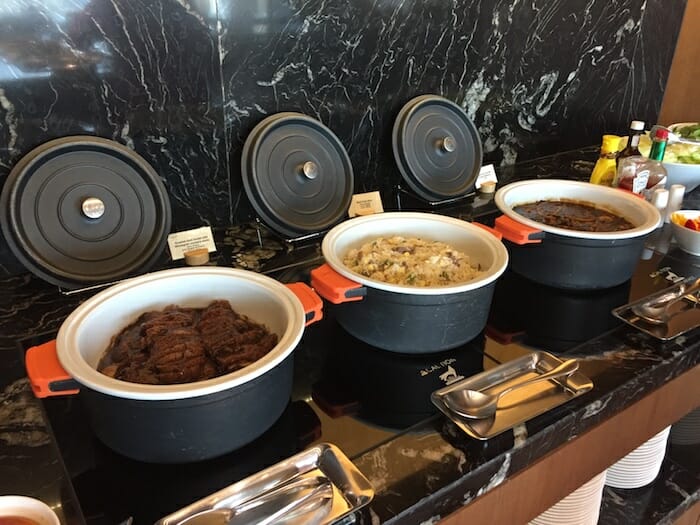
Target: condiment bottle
x: 604, y: 169
x: 632, y: 148
x: 659, y: 198
x: 637, y: 173
x: 675, y: 200
x: 657, y: 171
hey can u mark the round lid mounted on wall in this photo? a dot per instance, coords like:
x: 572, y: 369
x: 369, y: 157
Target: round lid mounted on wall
x: 436, y: 147
x: 84, y: 210
x: 296, y: 174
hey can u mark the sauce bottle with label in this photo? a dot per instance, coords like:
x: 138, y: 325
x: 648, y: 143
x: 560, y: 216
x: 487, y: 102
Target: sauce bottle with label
x: 637, y: 173
x: 632, y: 148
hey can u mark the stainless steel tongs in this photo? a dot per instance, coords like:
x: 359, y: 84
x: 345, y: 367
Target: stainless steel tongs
x: 291, y: 500
x: 657, y: 310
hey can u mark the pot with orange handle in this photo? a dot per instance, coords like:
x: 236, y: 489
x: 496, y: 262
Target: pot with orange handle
x: 404, y: 318
x: 186, y: 422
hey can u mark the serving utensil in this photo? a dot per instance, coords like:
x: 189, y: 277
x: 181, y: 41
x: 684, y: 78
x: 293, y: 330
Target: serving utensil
x: 474, y: 404
x: 656, y: 311
x: 295, y: 499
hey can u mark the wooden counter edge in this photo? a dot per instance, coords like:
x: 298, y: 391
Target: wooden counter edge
x: 532, y: 491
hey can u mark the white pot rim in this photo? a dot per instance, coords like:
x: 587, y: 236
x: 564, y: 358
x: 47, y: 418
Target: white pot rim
x: 489, y: 241
x: 82, y: 372
x: 510, y: 195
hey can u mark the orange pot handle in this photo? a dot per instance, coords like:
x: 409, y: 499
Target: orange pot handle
x: 312, y: 303
x: 46, y: 375
x: 334, y: 287
x: 492, y: 231
x: 516, y: 232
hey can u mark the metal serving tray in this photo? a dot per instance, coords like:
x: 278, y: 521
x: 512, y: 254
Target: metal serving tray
x: 323, y: 462
x: 521, y: 405
x: 684, y: 315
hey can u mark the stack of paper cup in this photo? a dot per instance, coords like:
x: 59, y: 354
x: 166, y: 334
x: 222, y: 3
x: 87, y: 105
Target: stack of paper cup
x: 641, y: 466
x: 581, y: 507
x: 687, y: 430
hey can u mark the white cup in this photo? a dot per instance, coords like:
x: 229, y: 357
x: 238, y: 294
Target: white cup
x: 22, y: 510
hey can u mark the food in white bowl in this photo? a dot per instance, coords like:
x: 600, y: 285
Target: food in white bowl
x: 681, y: 160
x: 686, y: 230
x: 411, y: 261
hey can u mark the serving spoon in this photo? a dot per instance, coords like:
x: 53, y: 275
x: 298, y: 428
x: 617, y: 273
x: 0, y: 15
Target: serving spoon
x: 473, y: 404
x: 657, y: 310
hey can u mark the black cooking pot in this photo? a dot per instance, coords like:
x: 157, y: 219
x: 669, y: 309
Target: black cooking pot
x: 181, y: 422
x: 390, y: 389
x: 554, y: 319
x: 573, y: 259
x: 410, y: 319
x: 114, y: 487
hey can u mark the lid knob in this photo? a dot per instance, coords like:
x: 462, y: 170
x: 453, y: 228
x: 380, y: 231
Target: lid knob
x: 93, y: 208
x: 447, y: 144
x: 309, y: 170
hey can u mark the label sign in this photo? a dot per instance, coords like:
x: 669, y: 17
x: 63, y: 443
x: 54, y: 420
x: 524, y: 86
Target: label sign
x: 487, y: 173
x: 188, y: 240
x: 365, y: 204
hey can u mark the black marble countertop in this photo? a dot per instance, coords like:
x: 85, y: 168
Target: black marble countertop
x: 428, y: 470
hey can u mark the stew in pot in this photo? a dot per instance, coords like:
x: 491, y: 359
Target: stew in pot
x: 573, y: 215
x: 182, y: 345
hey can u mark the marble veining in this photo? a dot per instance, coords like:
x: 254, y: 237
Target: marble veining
x: 519, y: 435
x: 651, y: 504
x: 535, y: 77
x: 183, y: 83
x: 145, y: 74
x: 498, y: 478
x: 21, y: 421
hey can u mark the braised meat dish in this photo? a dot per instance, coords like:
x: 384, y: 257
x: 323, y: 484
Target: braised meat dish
x: 182, y: 345
x: 573, y: 216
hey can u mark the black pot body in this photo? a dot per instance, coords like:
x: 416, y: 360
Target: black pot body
x: 191, y: 429
x: 555, y: 319
x: 416, y: 324
x: 575, y: 263
x: 394, y: 390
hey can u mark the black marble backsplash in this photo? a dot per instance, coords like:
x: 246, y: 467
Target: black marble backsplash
x: 183, y: 83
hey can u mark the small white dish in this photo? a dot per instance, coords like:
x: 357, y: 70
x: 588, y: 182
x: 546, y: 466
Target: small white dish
x: 26, y: 511
x: 687, y: 238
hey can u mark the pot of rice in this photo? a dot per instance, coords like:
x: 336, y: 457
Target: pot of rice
x: 410, y: 282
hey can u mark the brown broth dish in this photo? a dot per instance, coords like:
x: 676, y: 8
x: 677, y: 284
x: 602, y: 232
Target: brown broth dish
x: 181, y: 345
x: 572, y: 215
x: 17, y: 520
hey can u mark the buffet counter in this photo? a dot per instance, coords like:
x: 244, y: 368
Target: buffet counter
x: 423, y: 468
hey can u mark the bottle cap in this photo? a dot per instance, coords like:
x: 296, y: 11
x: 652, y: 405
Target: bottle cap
x: 637, y: 125
x: 611, y: 144
x: 661, y: 133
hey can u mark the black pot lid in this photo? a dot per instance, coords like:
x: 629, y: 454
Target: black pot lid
x: 436, y: 147
x: 296, y: 174
x: 83, y: 210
